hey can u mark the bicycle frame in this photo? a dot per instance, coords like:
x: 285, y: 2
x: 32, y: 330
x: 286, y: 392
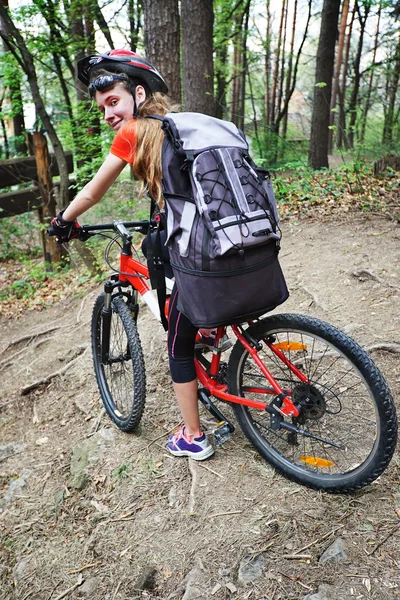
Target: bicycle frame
x: 136, y: 274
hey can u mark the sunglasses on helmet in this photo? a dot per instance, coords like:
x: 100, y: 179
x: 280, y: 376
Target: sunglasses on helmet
x: 103, y: 82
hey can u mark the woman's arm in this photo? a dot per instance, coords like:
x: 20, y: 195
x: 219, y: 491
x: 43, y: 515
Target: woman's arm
x: 96, y: 188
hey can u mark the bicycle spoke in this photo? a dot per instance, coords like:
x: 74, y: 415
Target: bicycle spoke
x: 338, y: 429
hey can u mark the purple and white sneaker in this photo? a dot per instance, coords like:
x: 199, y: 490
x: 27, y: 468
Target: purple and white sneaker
x: 199, y: 449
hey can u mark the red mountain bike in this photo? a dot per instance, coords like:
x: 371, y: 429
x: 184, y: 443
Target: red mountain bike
x: 309, y: 399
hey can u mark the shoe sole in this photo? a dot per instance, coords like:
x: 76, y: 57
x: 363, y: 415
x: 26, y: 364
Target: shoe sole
x: 195, y: 455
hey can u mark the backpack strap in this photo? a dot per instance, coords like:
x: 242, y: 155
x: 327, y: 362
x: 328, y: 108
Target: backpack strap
x: 156, y: 268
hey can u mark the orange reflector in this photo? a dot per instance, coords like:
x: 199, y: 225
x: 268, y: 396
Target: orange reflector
x: 317, y: 462
x: 285, y: 346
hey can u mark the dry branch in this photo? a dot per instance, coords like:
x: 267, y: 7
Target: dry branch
x: 32, y: 386
x: 72, y: 588
x: 385, y: 539
x: 193, y: 472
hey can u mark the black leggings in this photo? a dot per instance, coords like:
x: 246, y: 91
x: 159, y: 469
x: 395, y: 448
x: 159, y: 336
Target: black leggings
x: 181, y: 332
x: 181, y: 339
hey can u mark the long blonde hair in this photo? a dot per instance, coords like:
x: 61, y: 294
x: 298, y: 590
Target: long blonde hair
x: 149, y: 140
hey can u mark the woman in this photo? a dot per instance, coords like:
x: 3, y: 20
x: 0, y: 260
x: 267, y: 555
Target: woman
x: 127, y: 88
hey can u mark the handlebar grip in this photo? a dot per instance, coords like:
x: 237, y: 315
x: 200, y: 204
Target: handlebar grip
x: 51, y: 231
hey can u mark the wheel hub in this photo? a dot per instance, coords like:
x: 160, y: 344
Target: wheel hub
x: 309, y: 401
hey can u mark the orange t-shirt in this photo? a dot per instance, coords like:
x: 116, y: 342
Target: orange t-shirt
x: 124, y: 144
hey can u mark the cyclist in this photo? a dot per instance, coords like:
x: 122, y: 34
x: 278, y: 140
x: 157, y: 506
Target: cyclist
x: 127, y: 88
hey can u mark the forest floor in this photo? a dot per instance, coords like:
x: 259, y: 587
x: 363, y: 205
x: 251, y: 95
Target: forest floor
x: 138, y: 523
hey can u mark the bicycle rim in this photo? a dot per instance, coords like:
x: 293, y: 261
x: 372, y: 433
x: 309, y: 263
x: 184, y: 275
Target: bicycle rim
x: 122, y: 380
x: 345, y: 404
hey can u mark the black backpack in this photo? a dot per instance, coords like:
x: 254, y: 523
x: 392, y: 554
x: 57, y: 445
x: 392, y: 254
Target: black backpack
x: 222, y: 222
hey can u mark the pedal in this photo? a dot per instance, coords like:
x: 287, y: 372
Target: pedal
x: 222, y: 433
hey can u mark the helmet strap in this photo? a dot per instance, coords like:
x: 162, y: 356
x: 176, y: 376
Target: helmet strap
x: 132, y: 87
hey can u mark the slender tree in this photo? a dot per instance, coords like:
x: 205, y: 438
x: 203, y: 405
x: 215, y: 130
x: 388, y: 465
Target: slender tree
x: 16, y: 44
x: 268, y: 61
x: 354, y: 98
x: 319, y: 139
x: 367, y: 104
x: 393, y: 85
x: 338, y: 65
x: 13, y: 82
x: 341, y: 138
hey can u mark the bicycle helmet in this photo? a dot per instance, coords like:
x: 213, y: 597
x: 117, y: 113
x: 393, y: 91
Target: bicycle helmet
x: 122, y: 61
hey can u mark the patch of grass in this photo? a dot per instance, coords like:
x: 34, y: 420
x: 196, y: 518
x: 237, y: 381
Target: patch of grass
x: 122, y: 472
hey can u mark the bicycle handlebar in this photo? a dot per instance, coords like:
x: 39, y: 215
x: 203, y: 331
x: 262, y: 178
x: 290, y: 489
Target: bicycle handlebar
x: 89, y: 230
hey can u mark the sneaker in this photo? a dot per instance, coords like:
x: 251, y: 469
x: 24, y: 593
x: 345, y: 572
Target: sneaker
x: 208, y: 343
x: 199, y: 449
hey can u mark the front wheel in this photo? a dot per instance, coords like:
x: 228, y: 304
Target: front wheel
x: 344, y: 401
x: 121, y: 378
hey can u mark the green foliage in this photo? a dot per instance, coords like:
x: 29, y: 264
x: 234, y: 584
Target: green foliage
x: 19, y: 236
x: 122, y: 472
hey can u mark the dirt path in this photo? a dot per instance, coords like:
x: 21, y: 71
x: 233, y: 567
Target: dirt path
x: 228, y: 528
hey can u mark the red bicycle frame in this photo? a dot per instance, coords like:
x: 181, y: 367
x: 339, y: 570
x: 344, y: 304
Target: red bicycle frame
x: 137, y: 274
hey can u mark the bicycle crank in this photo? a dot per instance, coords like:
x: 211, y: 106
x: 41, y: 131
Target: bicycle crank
x: 224, y: 428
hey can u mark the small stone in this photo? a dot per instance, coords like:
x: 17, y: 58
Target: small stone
x: 89, y: 588
x: 250, y: 568
x: 324, y: 593
x: 334, y: 553
x: 146, y: 579
x: 11, y: 448
x: 172, y: 497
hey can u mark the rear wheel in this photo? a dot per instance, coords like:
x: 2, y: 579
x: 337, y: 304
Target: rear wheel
x: 122, y: 378
x: 345, y: 402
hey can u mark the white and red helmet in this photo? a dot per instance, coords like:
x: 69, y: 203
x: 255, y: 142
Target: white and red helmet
x: 134, y: 66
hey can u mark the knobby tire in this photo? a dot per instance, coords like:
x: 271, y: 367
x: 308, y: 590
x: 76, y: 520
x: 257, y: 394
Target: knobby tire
x: 122, y: 381
x: 346, y: 400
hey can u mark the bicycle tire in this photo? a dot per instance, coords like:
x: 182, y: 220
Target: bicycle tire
x: 346, y: 401
x: 121, y: 382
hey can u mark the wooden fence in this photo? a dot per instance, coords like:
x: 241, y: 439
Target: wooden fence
x: 34, y: 189
x: 22, y: 172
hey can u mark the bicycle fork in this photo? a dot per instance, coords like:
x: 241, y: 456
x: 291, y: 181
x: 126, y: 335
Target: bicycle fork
x: 106, y: 313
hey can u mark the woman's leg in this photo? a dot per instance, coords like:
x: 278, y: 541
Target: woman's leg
x: 186, y: 395
x: 190, y: 441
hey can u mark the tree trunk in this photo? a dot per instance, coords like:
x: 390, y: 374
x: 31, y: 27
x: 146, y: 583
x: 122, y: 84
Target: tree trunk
x: 318, y: 153
x: 51, y: 250
x: 242, y: 108
x: 162, y: 37
x: 283, y: 66
x: 341, y: 136
x: 339, y: 59
x: 393, y: 88
x: 237, y: 73
x: 197, y: 55
x: 268, y: 66
x: 284, y: 110
x: 14, y: 41
x: 290, y: 68
x: 134, y: 16
x: 17, y: 107
x: 275, y: 79
x: 371, y: 77
x: 353, y: 104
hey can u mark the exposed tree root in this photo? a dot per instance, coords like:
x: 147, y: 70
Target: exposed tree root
x: 367, y: 273
x: 32, y: 386
x: 385, y: 346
